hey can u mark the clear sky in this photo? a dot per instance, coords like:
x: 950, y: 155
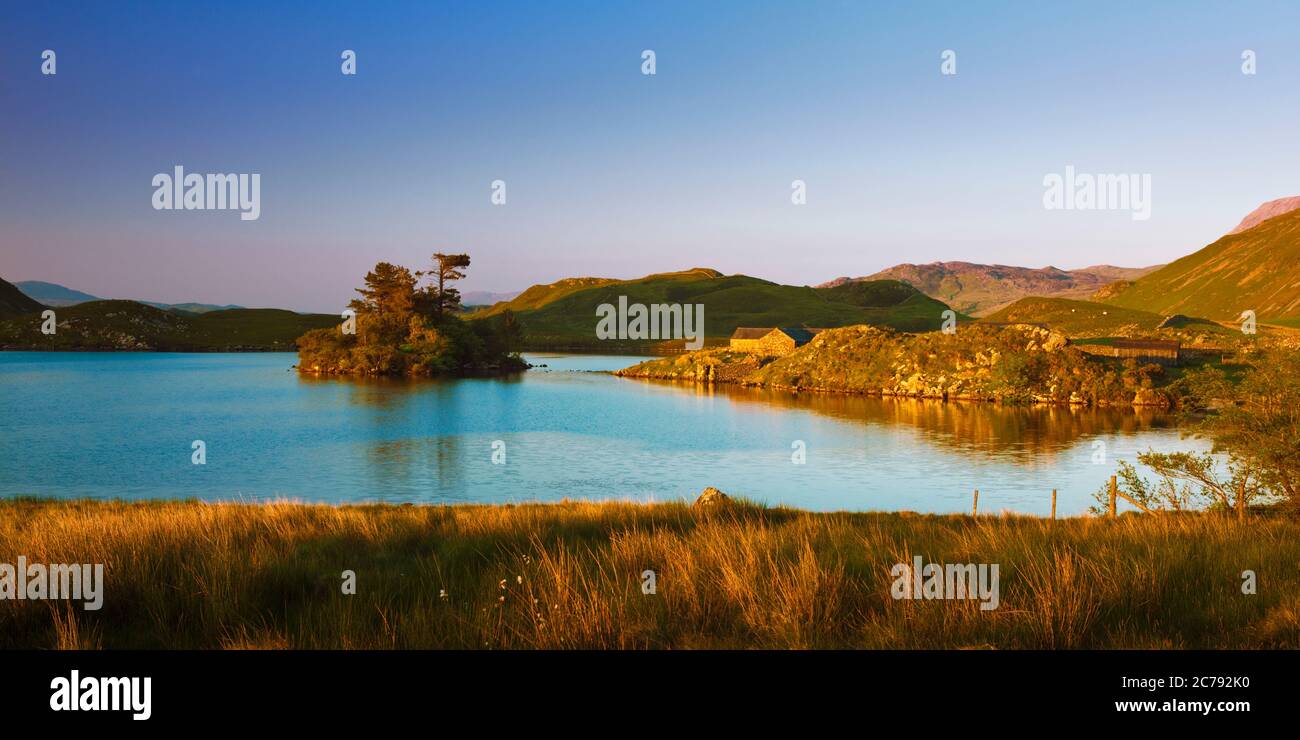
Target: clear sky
x: 614, y: 173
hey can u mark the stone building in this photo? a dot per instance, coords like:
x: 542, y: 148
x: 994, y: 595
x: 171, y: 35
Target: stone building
x: 775, y: 341
x: 1155, y: 350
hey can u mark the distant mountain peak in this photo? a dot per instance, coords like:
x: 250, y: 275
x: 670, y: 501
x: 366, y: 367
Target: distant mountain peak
x: 978, y: 289
x: 13, y: 302
x: 53, y: 294
x: 61, y: 296
x: 1268, y: 210
x: 1255, y: 269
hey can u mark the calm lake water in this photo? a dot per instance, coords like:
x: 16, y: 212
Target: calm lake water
x: 108, y: 425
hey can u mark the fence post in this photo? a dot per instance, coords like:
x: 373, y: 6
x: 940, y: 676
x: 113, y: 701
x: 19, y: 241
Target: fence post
x: 1114, y: 489
x: 1053, y: 503
x: 975, y: 510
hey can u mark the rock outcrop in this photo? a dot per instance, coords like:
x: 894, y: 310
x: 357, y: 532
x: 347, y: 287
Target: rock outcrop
x: 711, y: 498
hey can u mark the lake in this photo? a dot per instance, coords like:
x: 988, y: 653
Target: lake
x: 122, y: 425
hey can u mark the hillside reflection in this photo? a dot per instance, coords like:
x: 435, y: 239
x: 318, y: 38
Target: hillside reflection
x: 969, y: 425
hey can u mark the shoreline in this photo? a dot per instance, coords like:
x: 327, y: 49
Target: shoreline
x: 881, y: 393
x: 108, y: 350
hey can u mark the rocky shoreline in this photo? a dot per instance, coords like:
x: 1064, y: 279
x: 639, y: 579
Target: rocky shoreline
x: 1019, y: 363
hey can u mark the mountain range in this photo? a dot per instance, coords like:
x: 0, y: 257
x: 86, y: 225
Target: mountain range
x: 485, y: 297
x: 1255, y: 267
x: 55, y: 295
x: 978, y: 289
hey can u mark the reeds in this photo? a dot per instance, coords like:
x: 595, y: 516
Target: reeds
x: 569, y: 576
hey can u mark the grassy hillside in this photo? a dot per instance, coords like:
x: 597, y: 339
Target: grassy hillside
x: 127, y: 325
x: 889, y: 303
x: 1257, y: 269
x: 565, y: 313
x: 258, y: 327
x: 1087, y: 319
x: 987, y: 363
x: 13, y: 302
x: 568, y: 576
x: 538, y: 296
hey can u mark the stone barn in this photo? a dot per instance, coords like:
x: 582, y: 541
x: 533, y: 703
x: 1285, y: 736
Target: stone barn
x: 1152, y: 350
x: 774, y: 341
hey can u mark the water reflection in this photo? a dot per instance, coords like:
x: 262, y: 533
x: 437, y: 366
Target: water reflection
x: 568, y: 433
x: 972, y: 426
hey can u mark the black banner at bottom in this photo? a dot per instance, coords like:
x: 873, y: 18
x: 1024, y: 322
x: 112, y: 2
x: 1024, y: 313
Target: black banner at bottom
x: 296, y: 689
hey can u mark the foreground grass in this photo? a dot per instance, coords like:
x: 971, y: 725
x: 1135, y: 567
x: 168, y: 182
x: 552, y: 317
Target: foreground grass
x: 193, y: 575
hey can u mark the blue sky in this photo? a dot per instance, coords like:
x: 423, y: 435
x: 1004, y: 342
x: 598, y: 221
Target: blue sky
x: 610, y: 172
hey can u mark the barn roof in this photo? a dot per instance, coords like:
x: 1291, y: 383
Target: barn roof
x: 1160, y: 344
x: 746, y: 332
x: 797, y: 333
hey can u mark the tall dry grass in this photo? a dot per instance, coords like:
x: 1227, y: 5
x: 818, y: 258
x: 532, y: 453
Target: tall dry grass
x: 194, y: 575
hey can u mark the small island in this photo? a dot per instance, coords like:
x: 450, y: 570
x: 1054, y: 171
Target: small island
x: 398, y: 327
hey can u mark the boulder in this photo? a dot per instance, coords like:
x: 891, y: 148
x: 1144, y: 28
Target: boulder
x: 711, y: 498
x: 1055, y: 341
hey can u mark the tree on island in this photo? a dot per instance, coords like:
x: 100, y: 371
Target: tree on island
x: 387, y: 301
x: 404, y: 329
x: 447, y: 268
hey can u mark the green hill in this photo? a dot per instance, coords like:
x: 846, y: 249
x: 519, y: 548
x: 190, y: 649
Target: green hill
x: 1257, y: 269
x: 564, y: 313
x: 13, y: 302
x: 1076, y: 318
x: 127, y: 325
x: 1088, y: 319
x: 538, y: 296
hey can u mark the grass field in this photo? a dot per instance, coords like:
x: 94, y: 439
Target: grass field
x: 192, y: 575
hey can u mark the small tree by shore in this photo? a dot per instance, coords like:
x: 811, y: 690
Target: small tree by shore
x: 1254, y: 426
x: 1186, y: 481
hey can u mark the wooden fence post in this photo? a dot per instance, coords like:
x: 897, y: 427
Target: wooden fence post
x: 975, y: 510
x: 1114, y: 489
x: 1053, y: 503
